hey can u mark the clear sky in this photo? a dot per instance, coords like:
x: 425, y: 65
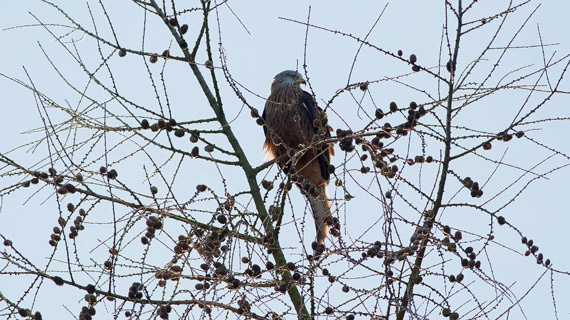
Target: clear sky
x: 258, y: 43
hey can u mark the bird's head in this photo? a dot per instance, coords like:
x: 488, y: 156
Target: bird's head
x: 289, y: 77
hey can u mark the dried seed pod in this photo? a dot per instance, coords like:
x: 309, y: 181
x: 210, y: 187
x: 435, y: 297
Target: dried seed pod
x: 195, y: 151
x: 393, y: 106
x: 458, y: 235
x: 417, y: 279
x: 450, y: 66
x: 70, y: 188
x: 58, y: 180
x: 501, y: 220
x: 62, y: 190
x: 184, y: 29
x: 179, y: 133
x: 475, y: 186
x: 58, y: 280
x: 413, y: 58
x: 379, y: 114
x: 331, y: 168
x: 112, y: 174
x: 254, y: 113
x: 267, y: 185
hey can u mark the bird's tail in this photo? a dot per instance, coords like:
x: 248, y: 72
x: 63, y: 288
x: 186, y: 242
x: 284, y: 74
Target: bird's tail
x: 321, y: 207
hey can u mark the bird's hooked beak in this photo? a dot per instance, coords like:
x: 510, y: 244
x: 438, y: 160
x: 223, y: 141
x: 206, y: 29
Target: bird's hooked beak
x: 300, y: 81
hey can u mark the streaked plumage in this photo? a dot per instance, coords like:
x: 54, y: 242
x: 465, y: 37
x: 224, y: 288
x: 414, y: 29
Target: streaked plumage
x: 289, y: 115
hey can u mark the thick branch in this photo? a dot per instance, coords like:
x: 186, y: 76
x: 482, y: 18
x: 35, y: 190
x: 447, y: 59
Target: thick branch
x: 408, y: 296
x: 249, y: 171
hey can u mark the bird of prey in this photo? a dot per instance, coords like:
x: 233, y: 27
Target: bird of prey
x: 294, y: 130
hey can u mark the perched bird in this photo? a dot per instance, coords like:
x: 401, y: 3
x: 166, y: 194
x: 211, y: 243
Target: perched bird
x: 294, y: 129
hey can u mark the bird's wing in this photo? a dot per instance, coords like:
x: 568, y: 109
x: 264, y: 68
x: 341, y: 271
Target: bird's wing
x: 324, y: 152
x: 264, y: 117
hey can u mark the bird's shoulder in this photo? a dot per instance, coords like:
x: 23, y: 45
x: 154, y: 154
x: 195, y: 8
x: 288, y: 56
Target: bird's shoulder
x: 310, y: 105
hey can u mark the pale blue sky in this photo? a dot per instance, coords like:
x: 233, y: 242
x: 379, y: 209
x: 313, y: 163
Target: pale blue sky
x: 270, y: 45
